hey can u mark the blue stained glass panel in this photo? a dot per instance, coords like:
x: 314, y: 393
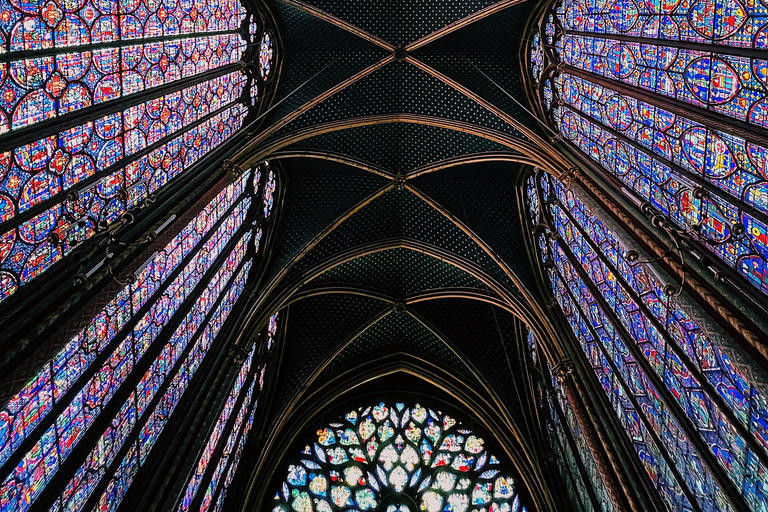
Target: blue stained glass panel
x: 86, y: 404
x: 157, y: 418
x: 26, y: 409
x: 116, y: 159
x: 698, y: 373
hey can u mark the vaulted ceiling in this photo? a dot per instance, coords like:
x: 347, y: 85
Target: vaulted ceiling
x: 402, y: 140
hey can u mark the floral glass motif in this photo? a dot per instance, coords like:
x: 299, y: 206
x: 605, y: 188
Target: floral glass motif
x: 265, y: 56
x: 269, y: 193
x: 623, y: 61
x: 81, y: 76
x: 382, y: 450
x: 120, y: 336
x: 664, y: 373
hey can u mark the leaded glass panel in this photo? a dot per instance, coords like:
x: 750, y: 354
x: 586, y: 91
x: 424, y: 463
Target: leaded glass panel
x: 678, y: 391
x: 101, y: 105
x: 415, y: 452
x: 699, y: 160
x: 139, y: 349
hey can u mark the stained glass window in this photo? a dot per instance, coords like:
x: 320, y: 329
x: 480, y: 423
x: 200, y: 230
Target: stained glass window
x: 257, y: 180
x: 574, y: 458
x: 239, y: 398
x: 669, y: 98
x: 572, y: 442
x: 265, y: 56
x: 684, y: 392
x: 537, y: 57
x: 269, y: 193
x: 233, y: 465
x: 124, y: 373
x: 531, y: 342
x: 101, y: 105
x: 383, y: 452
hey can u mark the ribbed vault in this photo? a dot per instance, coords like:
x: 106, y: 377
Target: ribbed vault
x: 401, y: 249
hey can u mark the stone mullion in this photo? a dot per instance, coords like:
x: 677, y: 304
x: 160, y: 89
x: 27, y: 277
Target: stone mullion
x: 84, y: 184
x: 706, y: 385
x: 58, y: 124
x: 721, y: 309
x: 574, y: 450
x: 159, y: 395
x: 654, y: 436
x: 121, y: 43
x: 633, y: 479
x: 686, y: 45
x: 670, y: 403
x: 619, y: 496
x: 253, y: 403
x: 70, y: 464
x: 699, y: 180
x: 63, y: 401
x: 750, y: 133
x: 228, y: 426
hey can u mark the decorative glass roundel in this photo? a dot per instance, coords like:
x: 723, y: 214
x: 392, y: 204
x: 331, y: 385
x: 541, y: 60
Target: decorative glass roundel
x: 397, y: 459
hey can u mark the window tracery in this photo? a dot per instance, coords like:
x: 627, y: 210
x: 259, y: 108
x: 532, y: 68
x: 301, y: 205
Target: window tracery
x: 271, y: 331
x: 269, y: 192
x: 101, y: 105
x: 265, y: 56
x: 125, y: 372
x: 690, y: 402
x: 669, y: 98
x: 397, y: 458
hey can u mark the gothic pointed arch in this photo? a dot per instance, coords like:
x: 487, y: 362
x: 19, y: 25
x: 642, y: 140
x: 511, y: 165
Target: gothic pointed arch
x: 103, y: 106
x: 663, y: 102
x: 114, y: 123
x: 397, y: 458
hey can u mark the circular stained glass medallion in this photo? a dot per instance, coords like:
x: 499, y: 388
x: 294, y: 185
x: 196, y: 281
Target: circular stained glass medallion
x: 397, y: 459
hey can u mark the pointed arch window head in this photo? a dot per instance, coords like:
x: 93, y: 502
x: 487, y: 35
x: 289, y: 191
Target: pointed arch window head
x: 670, y: 100
x: 103, y: 104
x: 397, y: 458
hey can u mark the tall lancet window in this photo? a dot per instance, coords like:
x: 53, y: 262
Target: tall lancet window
x: 81, y: 430
x: 670, y: 99
x: 102, y: 104
x: 692, y: 403
x: 397, y: 458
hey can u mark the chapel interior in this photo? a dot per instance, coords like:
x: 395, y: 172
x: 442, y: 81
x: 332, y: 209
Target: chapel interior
x: 383, y: 255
